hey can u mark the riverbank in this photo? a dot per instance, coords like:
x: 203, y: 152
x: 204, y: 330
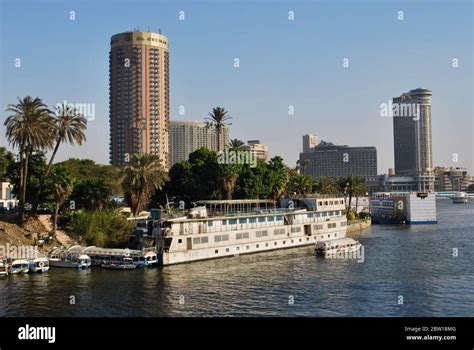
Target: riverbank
x: 356, y: 226
x: 32, y: 233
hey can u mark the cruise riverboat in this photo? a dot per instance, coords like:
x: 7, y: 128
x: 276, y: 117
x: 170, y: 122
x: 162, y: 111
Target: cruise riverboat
x: 225, y: 228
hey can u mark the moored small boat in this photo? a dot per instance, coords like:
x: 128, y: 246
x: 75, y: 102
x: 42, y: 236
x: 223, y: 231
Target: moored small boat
x: 39, y: 265
x: 3, y: 268
x: 338, y: 247
x: 83, y: 261
x: 19, y: 266
x: 125, y: 264
x: 151, y: 259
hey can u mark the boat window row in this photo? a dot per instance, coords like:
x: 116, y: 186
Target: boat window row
x: 324, y: 214
x: 331, y: 202
x: 221, y: 238
x: 200, y: 240
x: 248, y: 220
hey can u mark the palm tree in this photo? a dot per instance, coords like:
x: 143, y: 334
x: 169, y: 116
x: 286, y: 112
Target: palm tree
x: 300, y: 184
x: 301, y: 165
x: 278, y: 177
x: 62, y: 187
x: 354, y: 186
x: 141, y: 178
x: 236, y: 144
x: 70, y: 126
x: 326, y: 185
x: 218, y: 119
x: 229, y: 174
x: 360, y: 189
x: 29, y: 128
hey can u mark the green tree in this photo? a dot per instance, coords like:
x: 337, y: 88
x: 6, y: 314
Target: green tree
x: 229, y: 174
x: 326, y: 185
x: 6, y: 158
x: 253, y: 182
x: 141, y: 178
x: 61, y: 184
x: 300, y: 184
x: 218, y: 119
x: 87, y: 169
x: 353, y: 186
x: 101, y: 228
x: 29, y: 128
x: 36, y: 168
x: 205, y: 174
x: 236, y: 144
x: 360, y: 188
x: 91, y: 194
x: 69, y: 126
x: 277, y: 177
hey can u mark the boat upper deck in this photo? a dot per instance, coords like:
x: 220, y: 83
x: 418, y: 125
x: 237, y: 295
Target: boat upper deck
x: 230, y: 209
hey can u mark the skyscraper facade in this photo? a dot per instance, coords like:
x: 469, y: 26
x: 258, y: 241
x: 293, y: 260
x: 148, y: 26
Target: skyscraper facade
x: 189, y: 136
x: 412, y: 137
x: 139, y: 96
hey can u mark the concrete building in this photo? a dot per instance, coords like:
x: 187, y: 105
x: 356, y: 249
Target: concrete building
x: 309, y: 142
x: 189, y: 136
x: 449, y: 179
x: 391, y: 183
x: 7, y: 199
x: 412, y: 137
x: 256, y: 148
x: 139, y: 96
x: 327, y: 159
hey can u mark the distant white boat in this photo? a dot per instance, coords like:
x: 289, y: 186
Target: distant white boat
x: 337, y: 247
x: 460, y: 197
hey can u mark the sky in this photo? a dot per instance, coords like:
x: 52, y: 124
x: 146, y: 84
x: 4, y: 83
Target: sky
x: 283, y: 65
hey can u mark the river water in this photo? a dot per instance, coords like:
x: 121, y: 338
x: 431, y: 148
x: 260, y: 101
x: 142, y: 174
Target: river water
x: 415, y: 265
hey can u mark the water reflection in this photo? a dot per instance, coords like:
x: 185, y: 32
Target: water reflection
x: 415, y: 262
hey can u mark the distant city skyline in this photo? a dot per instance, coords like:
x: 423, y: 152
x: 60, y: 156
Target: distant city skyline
x: 326, y: 72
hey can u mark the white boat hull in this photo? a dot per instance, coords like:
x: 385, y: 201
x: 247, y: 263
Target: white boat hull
x: 68, y: 264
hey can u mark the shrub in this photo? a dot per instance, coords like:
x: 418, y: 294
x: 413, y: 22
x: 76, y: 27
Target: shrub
x: 101, y: 228
x: 364, y: 216
x: 351, y: 216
